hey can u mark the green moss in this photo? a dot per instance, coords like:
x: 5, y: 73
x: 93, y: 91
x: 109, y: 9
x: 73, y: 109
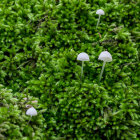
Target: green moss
x: 14, y: 122
x: 39, y: 44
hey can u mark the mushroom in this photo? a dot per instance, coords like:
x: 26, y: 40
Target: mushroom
x: 82, y: 57
x: 31, y: 112
x: 106, y: 57
x: 99, y: 12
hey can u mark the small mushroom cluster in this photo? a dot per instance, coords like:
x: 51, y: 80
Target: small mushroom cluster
x: 105, y: 56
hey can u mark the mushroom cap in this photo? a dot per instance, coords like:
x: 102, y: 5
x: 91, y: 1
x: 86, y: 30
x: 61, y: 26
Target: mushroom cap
x: 100, y: 12
x: 105, y: 56
x: 83, y: 57
x: 31, y: 112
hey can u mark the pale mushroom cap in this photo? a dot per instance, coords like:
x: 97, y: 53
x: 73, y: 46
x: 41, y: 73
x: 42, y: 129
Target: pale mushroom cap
x: 83, y: 57
x: 105, y: 56
x: 31, y: 112
x: 100, y: 12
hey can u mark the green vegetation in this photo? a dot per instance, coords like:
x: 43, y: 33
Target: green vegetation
x: 39, y: 44
x: 13, y: 121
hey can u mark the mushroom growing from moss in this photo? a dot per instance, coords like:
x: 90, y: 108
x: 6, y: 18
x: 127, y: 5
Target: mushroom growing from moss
x: 105, y: 56
x: 82, y: 57
x: 99, y: 12
x: 31, y: 112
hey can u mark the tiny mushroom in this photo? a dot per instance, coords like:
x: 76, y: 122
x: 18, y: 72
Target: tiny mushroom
x: 31, y: 112
x: 105, y: 56
x: 82, y: 57
x: 99, y: 12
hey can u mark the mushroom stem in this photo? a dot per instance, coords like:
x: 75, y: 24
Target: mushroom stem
x: 82, y: 70
x: 98, y: 21
x: 29, y: 120
x: 102, y: 70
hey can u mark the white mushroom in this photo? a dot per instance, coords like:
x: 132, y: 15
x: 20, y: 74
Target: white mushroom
x: 82, y: 57
x: 99, y: 12
x: 106, y: 57
x: 31, y: 112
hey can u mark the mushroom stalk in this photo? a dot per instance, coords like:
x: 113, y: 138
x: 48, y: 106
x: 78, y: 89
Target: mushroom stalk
x: 82, y: 70
x: 98, y: 21
x: 29, y: 120
x: 102, y: 70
